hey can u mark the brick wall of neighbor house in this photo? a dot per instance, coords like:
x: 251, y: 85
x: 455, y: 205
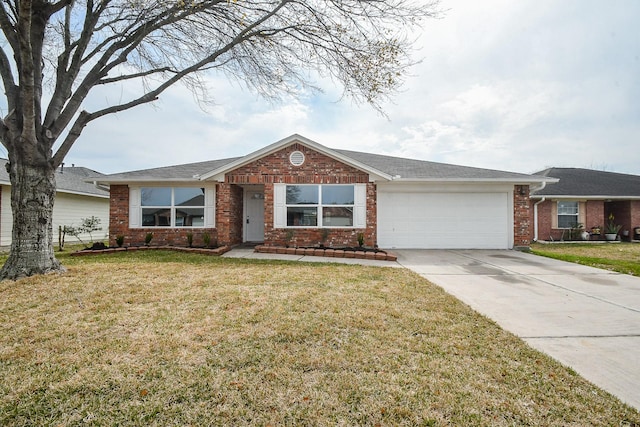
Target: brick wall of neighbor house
x: 594, y: 215
x: 624, y: 215
x: 635, y: 213
x: 521, y: 216
x: 544, y: 219
x: 317, y: 169
x: 119, y: 225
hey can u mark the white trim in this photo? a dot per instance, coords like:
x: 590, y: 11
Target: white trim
x: 279, y: 208
x: 135, y: 215
x: 210, y: 207
x: 360, y: 206
x: 582, y: 197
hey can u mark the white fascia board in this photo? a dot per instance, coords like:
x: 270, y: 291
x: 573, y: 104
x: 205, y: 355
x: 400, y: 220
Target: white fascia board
x: 80, y: 193
x: 143, y: 181
x: 218, y: 174
x: 514, y: 181
x: 573, y: 197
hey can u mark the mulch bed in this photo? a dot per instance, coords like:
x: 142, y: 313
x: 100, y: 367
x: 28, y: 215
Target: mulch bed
x: 358, y: 253
x: 204, y: 251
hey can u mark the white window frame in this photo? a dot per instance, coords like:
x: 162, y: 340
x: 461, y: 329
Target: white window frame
x: 135, y: 206
x: 359, y: 206
x: 558, y: 214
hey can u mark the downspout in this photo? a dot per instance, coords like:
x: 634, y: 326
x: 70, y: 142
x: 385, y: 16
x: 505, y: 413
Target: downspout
x: 535, y: 218
x: 535, y: 212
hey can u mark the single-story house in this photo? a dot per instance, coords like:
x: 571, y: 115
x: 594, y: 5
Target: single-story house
x: 75, y: 199
x: 297, y: 192
x: 585, y: 197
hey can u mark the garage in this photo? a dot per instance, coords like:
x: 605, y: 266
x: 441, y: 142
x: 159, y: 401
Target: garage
x: 445, y: 220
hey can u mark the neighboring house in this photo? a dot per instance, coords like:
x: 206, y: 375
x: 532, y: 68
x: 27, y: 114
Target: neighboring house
x: 75, y: 199
x: 586, y: 197
x: 298, y: 192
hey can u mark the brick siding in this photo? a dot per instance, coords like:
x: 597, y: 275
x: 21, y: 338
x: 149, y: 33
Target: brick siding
x: 316, y: 169
x: 521, y: 216
x: 119, y: 225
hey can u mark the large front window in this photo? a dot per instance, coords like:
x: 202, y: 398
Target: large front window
x: 320, y: 205
x: 567, y: 214
x: 172, y: 206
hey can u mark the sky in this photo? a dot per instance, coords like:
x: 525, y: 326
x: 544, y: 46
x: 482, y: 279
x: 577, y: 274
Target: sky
x: 509, y: 85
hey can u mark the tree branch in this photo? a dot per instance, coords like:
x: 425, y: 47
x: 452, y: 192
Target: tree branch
x: 132, y: 76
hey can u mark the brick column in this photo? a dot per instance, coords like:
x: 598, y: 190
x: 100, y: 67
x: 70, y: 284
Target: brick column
x: 521, y: 217
x: 118, y: 212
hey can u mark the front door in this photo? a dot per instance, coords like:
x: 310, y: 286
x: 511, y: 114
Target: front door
x: 254, y: 216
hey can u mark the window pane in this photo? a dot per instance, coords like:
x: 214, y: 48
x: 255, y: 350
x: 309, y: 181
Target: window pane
x: 337, y: 217
x: 337, y: 194
x: 567, y: 214
x: 567, y: 208
x: 567, y: 221
x: 302, y: 217
x: 302, y: 194
x: 188, y: 196
x: 155, y: 196
x: 154, y: 217
x: 189, y: 217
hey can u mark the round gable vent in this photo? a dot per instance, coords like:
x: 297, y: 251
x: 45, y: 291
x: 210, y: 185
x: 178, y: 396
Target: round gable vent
x: 296, y: 158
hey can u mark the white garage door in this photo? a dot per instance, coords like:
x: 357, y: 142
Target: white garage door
x: 443, y: 220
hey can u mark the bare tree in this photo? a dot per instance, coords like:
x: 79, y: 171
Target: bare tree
x: 55, y: 53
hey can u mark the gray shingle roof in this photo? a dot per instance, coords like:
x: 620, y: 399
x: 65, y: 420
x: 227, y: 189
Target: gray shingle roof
x: 69, y: 180
x: 421, y: 169
x: 589, y: 183
x: 185, y: 172
x: 406, y: 169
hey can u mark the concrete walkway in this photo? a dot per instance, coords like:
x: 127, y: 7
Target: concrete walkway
x: 586, y: 318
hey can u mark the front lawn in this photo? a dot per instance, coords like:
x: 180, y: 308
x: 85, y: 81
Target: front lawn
x: 160, y: 338
x: 620, y: 257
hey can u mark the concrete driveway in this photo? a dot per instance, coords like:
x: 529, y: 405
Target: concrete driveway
x: 586, y: 318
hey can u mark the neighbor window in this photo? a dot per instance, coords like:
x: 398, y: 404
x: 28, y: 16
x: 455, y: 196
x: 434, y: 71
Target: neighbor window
x: 567, y: 214
x: 320, y: 205
x: 172, y: 206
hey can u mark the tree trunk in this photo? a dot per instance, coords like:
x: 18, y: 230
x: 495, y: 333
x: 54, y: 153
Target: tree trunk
x: 33, y: 190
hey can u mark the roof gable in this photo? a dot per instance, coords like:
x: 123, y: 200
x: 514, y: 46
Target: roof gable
x: 218, y: 174
x: 576, y: 182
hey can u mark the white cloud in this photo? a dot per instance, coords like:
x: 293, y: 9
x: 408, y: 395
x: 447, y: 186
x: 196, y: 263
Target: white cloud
x: 503, y: 85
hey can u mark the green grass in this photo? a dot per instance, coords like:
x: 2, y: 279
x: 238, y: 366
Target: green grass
x: 162, y: 338
x: 620, y: 257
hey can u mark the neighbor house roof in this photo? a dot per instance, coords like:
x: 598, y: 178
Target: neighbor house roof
x: 72, y: 180
x: 380, y: 167
x: 589, y: 184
